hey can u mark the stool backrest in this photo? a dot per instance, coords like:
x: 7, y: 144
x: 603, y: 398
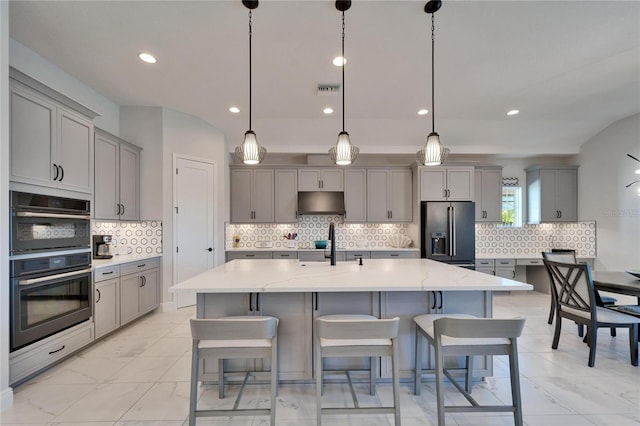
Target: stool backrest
x: 234, y: 328
x: 358, y: 329
x: 483, y: 328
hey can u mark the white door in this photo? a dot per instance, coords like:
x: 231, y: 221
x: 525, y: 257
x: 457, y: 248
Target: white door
x: 194, y: 222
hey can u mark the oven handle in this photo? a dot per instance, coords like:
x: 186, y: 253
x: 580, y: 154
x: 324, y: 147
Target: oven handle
x: 53, y: 277
x: 54, y: 215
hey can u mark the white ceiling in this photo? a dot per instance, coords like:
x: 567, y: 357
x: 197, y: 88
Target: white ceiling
x: 571, y: 67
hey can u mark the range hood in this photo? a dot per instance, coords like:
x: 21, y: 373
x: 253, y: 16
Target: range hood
x: 321, y: 202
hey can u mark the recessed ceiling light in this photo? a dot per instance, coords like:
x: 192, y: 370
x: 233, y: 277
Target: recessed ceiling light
x: 423, y: 112
x: 513, y: 112
x: 234, y: 110
x: 328, y: 110
x: 339, y: 61
x: 147, y: 57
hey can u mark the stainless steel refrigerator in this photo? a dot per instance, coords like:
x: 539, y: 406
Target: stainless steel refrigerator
x: 448, y: 232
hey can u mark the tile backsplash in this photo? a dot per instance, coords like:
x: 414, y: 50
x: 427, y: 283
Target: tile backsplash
x: 311, y: 228
x: 493, y: 240
x: 132, y: 237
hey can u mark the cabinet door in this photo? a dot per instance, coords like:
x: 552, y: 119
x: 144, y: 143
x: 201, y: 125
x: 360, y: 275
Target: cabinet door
x: 129, y: 183
x: 106, y: 315
x: 308, y: 180
x: 150, y: 291
x: 355, y: 195
x: 433, y: 183
x: 75, y: 152
x: 505, y: 273
x: 32, y: 138
x: 262, y: 196
x: 241, y: 181
x: 477, y: 183
x: 332, y: 180
x: 107, y: 178
x: 286, y: 195
x: 400, y: 195
x: 377, y: 196
x: 295, y: 315
x: 548, y: 196
x: 460, y: 185
x: 566, y: 195
x: 491, y: 198
x: 129, y: 297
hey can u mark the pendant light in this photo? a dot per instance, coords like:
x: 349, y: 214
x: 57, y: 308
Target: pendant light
x: 343, y: 153
x: 250, y: 152
x: 433, y: 153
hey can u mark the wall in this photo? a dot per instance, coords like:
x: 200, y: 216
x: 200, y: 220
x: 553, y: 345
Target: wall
x: 6, y: 393
x: 604, y: 171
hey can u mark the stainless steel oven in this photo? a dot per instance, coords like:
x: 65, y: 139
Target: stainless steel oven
x: 46, y: 223
x: 48, y: 294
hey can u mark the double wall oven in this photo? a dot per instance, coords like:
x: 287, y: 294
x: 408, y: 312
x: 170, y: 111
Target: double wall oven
x: 50, y: 266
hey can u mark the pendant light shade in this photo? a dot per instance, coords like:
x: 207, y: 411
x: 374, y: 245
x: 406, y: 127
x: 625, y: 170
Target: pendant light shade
x: 343, y: 153
x: 433, y: 153
x: 250, y: 152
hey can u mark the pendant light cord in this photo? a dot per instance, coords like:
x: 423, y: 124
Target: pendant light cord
x: 344, y: 61
x: 433, y: 78
x: 250, y: 70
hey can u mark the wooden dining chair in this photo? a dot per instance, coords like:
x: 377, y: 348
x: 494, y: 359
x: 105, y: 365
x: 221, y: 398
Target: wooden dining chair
x: 576, y: 300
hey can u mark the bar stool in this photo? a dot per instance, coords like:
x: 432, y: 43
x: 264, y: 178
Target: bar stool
x: 233, y: 337
x: 357, y: 336
x: 457, y: 335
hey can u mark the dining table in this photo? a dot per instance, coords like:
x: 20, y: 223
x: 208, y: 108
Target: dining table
x: 621, y: 283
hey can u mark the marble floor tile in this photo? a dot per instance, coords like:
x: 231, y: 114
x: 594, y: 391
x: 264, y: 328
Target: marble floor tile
x: 164, y: 401
x: 142, y: 370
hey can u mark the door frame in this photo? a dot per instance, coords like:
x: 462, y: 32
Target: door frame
x: 174, y: 219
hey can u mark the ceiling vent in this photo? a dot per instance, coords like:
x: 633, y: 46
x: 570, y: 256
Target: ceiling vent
x: 328, y: 89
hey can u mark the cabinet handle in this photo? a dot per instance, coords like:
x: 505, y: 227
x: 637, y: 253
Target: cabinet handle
x: 107, y: 273
x: 390, y: 214
x: 513, y: 273
x: 394, y: 255
x: 62, y: 173
x: 250, y: 302
x: 123, y: 209
x: 444, y: 191
x: 560, y: 212
x: 140, y: 285
x: 142, y: 265
x: 57, y: 350
x: 257, y: 302
x: 434, y: 295
x: 249, y: 255
x: 144, y: 279
x: 441, y: 299
x: 99, y: 295
x: 315, y: 294
x: 55, y: 166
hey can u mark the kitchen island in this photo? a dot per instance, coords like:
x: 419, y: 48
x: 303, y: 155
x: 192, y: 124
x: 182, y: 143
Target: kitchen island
x: 297, y: 292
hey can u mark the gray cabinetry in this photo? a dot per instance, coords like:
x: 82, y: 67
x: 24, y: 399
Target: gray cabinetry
x: 139, y: 289
x: 329, y: 179
x: 286, y: 195
x: 488, y: 194
x: 409, y: 254
x: 389, y: 195
x: 505, y: 268
x: 117, y: 178
x: 552, y: 194
x: 319, y: 256
x: 452, y: 183
x: 106, y: 314
x: 252, y: 195
x: 355, y: 195
x: 231, y: 255
x: 51, y: 145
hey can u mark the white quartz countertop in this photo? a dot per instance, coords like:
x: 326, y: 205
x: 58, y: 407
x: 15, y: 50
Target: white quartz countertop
x: 120, y: 259
x: 268, y: 275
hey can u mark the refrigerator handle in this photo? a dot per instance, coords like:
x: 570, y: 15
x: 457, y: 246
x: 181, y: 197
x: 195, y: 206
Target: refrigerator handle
x: 450, y: 231
x: 453, y: 231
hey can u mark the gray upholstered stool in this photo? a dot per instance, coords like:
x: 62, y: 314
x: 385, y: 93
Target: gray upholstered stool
x: 357, y: 336
x: 233, y: 337
x: 465, y: 335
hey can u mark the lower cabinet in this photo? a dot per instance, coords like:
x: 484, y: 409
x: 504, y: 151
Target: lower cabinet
x: 106, y: 313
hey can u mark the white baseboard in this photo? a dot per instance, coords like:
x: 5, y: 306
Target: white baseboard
x: 6, y: 398
x: 167, y: 306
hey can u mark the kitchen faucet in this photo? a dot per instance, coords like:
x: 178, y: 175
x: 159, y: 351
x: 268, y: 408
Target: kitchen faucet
x: 332, y: 238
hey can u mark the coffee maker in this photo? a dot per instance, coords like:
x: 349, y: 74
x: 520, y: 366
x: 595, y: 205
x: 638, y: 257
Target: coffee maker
x: 102, y: 246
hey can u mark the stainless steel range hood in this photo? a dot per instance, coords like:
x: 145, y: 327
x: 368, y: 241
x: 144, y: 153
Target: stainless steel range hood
x: 320, y: 202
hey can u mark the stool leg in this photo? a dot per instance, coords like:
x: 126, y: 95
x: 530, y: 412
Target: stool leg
x: 193, y: 397
x: 319, y: 386
x: 220, y: 378
x: 468, y: 380
x: 515, y: 383
x: 274, y: 379
x: 396, y: 381
x: 417, y: 382
x: 372, y: 375
x: 440, y: 385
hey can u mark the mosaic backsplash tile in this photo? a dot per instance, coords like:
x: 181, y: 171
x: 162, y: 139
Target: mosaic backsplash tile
x: 132, y: 237
x: 311, y: 228
x: 493, y: 240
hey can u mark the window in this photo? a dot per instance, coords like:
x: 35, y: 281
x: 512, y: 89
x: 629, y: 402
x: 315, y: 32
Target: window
x: 512, y: 206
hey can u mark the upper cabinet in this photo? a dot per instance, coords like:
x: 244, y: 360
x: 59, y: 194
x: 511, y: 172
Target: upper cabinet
x: 389, y: 195
x: 51, y: 145
x: 447, y: 183
x: 488, y: 194
x: 329, y: 179
x: 252, y: 195
x: 117, y: 178
x: 355, y: 195
x: 286, y: 195
x: 552, y: 194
